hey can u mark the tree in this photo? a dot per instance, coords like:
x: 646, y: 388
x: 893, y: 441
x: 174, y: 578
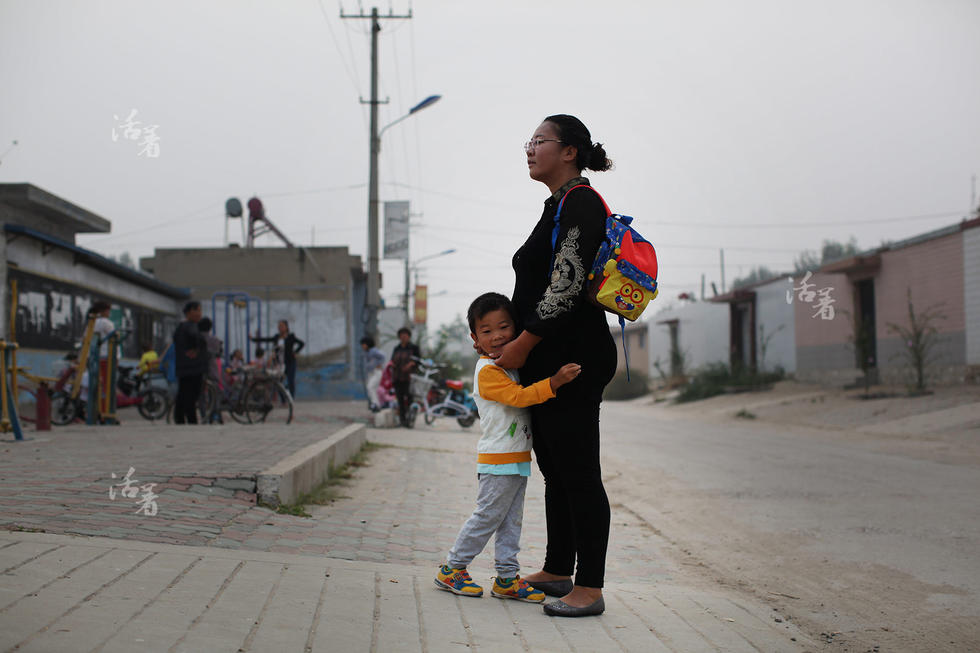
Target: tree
x: 806, y: 261
x: 920, y: 338
x: 124, y: 259
x: 831, y: 250
x: 453, y: 347
x: 758, y: 273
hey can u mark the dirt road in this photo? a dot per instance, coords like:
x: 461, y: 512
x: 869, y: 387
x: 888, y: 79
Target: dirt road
x: 859, y: 521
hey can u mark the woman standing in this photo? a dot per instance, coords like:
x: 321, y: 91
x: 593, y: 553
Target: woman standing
x: 561, y: 326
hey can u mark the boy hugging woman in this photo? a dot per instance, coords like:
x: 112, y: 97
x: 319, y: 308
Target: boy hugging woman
x: 503, y: 457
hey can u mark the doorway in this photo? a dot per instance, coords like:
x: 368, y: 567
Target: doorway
x: 866, y: 343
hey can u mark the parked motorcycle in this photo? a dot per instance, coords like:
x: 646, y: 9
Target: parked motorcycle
x: 435, y: 397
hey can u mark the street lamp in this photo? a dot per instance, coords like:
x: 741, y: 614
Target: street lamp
x: 415, y: 266
x: 373, y: 296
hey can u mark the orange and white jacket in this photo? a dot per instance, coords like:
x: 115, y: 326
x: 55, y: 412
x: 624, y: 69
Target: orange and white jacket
x: 504, y: 417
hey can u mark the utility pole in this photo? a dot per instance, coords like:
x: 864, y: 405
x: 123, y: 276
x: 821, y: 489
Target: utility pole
x: 722, y: 252
x: 373, y: 294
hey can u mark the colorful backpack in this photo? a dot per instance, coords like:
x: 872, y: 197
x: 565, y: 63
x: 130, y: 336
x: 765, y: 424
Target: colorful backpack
x: 623, y: 278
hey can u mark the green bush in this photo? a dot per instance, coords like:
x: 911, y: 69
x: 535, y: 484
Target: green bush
x: 619, y: 388
x: 717, y: 378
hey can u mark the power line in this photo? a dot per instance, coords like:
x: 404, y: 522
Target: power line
x: 351, y: 76
x: 807, y: 225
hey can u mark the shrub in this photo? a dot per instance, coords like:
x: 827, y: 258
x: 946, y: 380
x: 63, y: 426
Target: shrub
x: 717, y: 378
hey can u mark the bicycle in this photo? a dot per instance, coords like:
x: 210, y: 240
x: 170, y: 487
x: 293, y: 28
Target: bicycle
x: 439, y: 398
x: 258, y: 397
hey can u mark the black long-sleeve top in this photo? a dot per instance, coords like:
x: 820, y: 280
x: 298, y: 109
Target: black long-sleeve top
x: 188, y: 338
x: 550, y: 285
x: 291, y: 346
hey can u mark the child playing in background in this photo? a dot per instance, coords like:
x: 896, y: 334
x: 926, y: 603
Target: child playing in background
x: 503, y: 457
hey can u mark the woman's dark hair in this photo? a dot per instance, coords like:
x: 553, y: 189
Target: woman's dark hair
x: 286, y: 323
x: 259, y: 352
x: 98, y: 307
x: 485, y: 303
x: 571, y: 131
x: 369, y: 341
x: 204, y: 325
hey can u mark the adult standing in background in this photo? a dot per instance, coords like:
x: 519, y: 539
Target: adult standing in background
x: 402, y: 366
x: 291, y: 345
x: 191, y: 362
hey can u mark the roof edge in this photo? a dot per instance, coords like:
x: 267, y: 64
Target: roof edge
x: 102, y: 263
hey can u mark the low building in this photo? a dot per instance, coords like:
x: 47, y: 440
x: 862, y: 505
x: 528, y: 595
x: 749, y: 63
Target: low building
x: 636, y: 337
x: 761, y: 326
x: 935, y: 274
x: 320, y: 291
x: 685, y: 336
x: 57, y: 281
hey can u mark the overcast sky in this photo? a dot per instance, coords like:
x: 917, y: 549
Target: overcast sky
x: 759, y: 127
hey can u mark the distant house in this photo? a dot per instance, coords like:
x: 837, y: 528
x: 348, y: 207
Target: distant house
x: 871, y: 292
x: 760, y: 326
x: 685, y: 336
x: 636, y: 336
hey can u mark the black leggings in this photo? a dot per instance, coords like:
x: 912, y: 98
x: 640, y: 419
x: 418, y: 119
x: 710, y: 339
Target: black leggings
x: 188, y: 391
x: 566, y: 446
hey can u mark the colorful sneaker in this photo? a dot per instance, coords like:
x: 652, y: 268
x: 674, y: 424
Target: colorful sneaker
x: 457, y: 581
x: 516, y: 588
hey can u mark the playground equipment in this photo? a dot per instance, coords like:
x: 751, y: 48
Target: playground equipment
x: 8, y: 393
x: 236, y: 330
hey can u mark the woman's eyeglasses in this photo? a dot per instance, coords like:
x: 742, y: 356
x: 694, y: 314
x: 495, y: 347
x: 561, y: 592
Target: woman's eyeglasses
x: 533, y: 144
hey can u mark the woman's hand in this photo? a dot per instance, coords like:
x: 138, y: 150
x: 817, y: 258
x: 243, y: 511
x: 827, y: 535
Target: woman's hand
x: 514, y: 353
x: 512, y: 356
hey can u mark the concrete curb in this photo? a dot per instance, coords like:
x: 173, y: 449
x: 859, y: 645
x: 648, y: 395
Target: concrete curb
x: 305, y: 469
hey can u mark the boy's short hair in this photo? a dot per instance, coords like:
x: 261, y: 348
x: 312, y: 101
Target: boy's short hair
x: 204, y: 325
x: 259, y: 352
x: 190, y: 306
x: 367, y: 340
x: 404, y: 330
x: 485, y: 303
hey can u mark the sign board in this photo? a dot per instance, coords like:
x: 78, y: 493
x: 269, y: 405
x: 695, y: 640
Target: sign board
x: 421, y: 296
x: 396, y: 230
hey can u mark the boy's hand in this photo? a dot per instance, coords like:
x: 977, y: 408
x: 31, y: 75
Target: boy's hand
x: 564, y: 375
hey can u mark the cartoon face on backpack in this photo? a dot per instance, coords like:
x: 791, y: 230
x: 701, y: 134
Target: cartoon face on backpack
x: 629, y: 296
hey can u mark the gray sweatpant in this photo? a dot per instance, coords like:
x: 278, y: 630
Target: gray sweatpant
x: 500, y: 510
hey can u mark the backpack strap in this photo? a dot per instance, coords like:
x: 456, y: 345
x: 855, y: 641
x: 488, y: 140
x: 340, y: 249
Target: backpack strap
x: 554, y: 231
x: 626, y: 351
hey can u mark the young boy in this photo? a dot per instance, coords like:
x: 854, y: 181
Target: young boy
x: 503, y: 457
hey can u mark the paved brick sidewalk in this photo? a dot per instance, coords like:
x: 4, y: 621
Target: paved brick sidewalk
x: 73, y: 594
x: 358, y: 575
x: 205, y: 476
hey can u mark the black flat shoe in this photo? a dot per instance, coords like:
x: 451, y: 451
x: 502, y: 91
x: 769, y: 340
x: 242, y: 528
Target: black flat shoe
x: 553, y: 587
x: 562, y: 609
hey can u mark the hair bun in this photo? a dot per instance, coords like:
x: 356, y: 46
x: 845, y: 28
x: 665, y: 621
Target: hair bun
x: 598, y: 160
